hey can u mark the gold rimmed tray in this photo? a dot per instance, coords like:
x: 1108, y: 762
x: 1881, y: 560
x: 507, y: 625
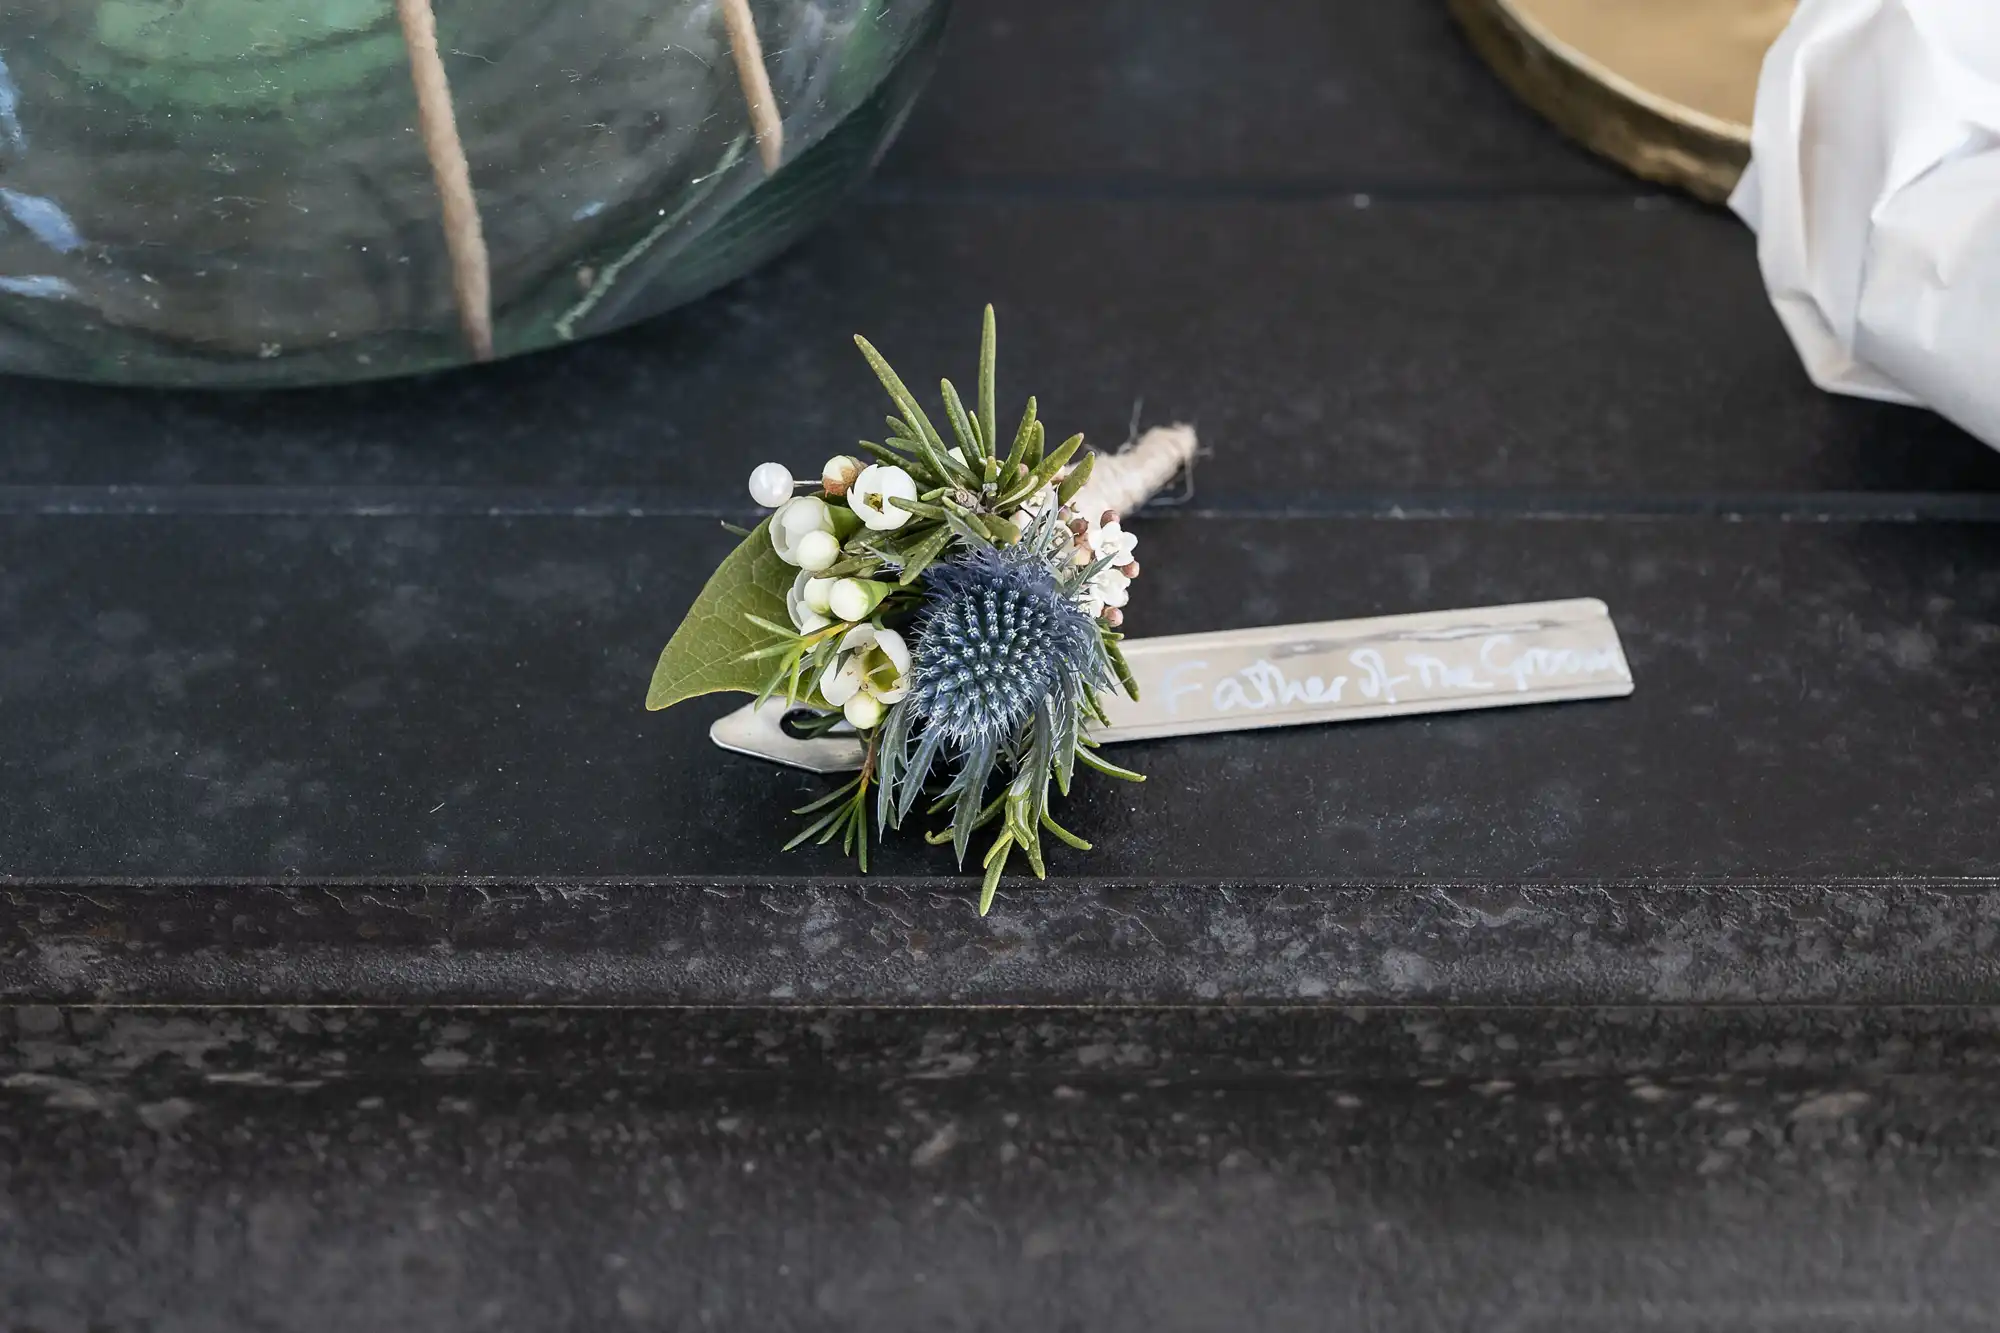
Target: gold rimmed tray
x: 1663, y: 87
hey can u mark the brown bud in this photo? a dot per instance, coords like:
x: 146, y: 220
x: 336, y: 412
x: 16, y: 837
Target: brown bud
x: 1081, y: 527
x: 1113, y: 617
x: 1110, y: 516
x: 837, y: 477
x: 1130, y: 571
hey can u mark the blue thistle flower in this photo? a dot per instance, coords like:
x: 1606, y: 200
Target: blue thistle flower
x: 996, y: 638
x: 1002, y: 666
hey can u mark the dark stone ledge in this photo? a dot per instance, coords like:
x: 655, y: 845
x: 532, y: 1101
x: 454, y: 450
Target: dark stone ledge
x: 917, y: 942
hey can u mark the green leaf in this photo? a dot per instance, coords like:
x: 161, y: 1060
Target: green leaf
x: 1049, y: 823
x: 821, y: 825
x: 1074, y: 482
x: 921, y: 558
x: 1018, y: 455
x: 917, y: 507
x: 889, y: 453
x: 842, y: 792
x: 1108, y: 768
x: 1044, y: 471
x: 783, y: 632
x: 989, y: 426
x: 961, y: 425
x: 1126, y: 681
x: 718, y: 646
x: 930, y: 445
x: 996, y: 866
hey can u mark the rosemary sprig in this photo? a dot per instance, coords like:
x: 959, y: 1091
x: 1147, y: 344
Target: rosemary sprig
x: 842, y: 813
x: 989, y: 426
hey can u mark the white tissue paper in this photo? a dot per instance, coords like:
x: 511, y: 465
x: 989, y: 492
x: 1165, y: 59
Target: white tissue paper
x: 1874, y: 189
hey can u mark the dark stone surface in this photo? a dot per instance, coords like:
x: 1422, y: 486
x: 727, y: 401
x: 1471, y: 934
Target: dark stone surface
x: 903, y: 941
x: 1207, y: 96
x: 1614, y: 350
x: 1193, y: 1170
x: 404, y: 759
x: 334, y: 697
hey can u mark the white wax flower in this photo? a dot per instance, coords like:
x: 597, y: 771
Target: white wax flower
x: 800, y: 603
x: 1109, y: 587
x: 797, y: 521
x: 870, y: 672
x: 1874, y: 189
x: 1109, y: 538
x: 874, y: 488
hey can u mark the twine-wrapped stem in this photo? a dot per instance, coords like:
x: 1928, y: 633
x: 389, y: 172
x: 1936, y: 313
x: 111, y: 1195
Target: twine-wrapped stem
x: 1123, y: 481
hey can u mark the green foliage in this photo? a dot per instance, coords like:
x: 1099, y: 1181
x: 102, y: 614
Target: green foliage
x: 841, y: 813
x: 729, y: 632
x: 989, y: 430
x: 738, y: 635
x: 1074, y: 482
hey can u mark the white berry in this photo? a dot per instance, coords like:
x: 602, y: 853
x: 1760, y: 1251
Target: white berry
x: 794, y: 519
x: 862, y: 711
x: 854, y: 599
x: 771, y: 484
x: 817, y: 550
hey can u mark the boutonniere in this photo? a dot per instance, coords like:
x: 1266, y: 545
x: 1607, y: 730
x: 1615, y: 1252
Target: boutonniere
x: 954, y: 601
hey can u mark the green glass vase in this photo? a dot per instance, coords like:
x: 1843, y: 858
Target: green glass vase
x: 255, y: 192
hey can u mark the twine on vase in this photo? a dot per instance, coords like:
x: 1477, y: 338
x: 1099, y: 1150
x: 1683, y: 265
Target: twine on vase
x: 744, y: 44
x: 437, y: 125
x: 464, y: 237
